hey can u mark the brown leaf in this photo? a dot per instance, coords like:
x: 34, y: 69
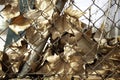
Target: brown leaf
x: 19, y: 20
x: 62, y: 24
x: 2, y: 74
x: 76, y: 63
x: 11, y: 9
x: 1, y: 55
x: 19, y: 23
x: 115, y: 55
x: 53, y: 59
x: 2, y: 2
x: 102, y: 27
x: 73, y: 13
x: 7, y: 7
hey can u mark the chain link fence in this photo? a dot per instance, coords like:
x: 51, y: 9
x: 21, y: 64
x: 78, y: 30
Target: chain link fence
x: 59, y: 40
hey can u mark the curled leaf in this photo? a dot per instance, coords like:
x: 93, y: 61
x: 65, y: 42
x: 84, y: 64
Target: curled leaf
x: 73, y: 13
x: 19, y: 23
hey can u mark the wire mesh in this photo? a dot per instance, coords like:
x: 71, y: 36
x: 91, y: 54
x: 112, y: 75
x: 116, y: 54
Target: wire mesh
x: 58, y: 46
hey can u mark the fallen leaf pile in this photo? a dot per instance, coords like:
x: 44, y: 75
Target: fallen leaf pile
x: 57, y: 46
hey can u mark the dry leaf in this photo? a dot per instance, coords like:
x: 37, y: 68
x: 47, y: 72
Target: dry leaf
x: 88, y: 47
x: 52, y: 59
x: 62, y: 25
x: 20, y: 79
x: 19, y: 23
x: 76, y: 63
x: 36, y: 15
x: 44, y: 11
x: 73, y: 13
x: 93, y: 78
x: 68, y: 50
x: 102, y: 27
x: 2, y: 74
x: 2, y: 2
x: 1, y: 55
x: 115, y: 55
x: 7, y: 7
x: 11, y: 9
x: 42, y: 5
x: 30, y: 33
x: 99, y: 35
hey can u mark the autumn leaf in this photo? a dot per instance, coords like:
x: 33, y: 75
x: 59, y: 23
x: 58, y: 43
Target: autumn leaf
x: 73, y: 13
x: 19, y: 23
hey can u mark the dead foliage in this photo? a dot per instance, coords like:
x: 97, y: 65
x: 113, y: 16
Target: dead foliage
x: 57, y: 46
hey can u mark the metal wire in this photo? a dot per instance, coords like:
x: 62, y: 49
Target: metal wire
x: 92, y: 67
